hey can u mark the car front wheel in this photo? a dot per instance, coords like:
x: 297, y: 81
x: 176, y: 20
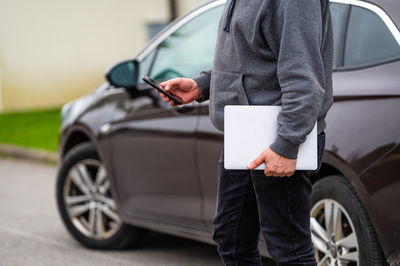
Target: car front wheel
x: 342, y: 231
x: 86, y: 204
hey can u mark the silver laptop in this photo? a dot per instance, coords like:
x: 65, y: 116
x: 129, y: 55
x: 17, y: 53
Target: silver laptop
x: 250, y: 129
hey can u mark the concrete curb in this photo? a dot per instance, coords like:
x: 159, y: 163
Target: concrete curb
x: 28, y: 153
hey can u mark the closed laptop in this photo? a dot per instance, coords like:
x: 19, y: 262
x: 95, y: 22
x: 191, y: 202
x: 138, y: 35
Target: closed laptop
x: 250, y: 129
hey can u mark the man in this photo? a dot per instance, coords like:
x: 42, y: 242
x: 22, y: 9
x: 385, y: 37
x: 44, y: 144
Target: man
x: 268, y: 52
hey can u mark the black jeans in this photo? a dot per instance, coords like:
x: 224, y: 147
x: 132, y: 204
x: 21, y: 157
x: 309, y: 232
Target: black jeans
x: 248, y: 201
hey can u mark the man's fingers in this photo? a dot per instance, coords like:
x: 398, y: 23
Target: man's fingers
x: 259, y: 160
x: 166, y: 99
x: 170, y: 84
x: 163, y: 97
x: 274, y: 172
x: 167, y: 87
x: 172, y: 103
x: 280, y: 173
x: 267, y: 172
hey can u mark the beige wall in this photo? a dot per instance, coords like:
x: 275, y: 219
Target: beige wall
x: 1, y: 91
x: 187, y: 5
x: 52, y: 51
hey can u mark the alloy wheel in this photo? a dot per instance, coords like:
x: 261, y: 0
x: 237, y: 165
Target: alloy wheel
x: 334, y: 238
x: 89, y: 202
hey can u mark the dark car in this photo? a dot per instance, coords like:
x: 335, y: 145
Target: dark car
x: 129, y: 162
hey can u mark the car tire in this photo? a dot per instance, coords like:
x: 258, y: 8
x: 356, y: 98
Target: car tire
x: 90, y: 226
x: 354, y: 236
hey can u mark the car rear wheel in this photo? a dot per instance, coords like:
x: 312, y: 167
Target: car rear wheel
x: 342, y: 231
x: 86, y: 204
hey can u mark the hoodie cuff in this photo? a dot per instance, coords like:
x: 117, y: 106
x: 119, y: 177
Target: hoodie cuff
x: 285, y: 148
x: 203, y: 81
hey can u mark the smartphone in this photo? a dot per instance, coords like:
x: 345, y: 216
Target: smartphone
x: 157, y: 86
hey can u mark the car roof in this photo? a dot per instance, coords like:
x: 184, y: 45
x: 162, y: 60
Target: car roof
x: 391, y: 7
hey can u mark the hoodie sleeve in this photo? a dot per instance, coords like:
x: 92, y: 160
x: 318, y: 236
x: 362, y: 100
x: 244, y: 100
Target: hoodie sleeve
x: 203, y: 81
x: 295, y: 36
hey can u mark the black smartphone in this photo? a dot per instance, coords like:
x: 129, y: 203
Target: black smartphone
x: 157, y: 86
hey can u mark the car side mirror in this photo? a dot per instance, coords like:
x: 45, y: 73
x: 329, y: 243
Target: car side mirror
x: 123, y: 74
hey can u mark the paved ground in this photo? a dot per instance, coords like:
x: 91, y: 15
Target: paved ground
x: 31, y: 232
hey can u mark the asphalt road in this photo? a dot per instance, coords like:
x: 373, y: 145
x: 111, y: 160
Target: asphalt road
x: 31, y: 232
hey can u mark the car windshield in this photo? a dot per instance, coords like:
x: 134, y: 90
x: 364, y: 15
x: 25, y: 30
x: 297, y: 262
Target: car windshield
x: 193, y: 42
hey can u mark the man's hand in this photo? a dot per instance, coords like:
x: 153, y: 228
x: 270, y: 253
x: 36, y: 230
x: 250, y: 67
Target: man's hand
x: 276, y: 165
x: 184, y: 88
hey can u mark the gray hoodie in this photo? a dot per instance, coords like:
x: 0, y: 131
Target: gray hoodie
x: 274, y: 52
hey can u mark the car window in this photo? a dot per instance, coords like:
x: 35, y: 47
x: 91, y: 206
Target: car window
x: 187, y: 51
x: 338, y: 17
x: 368, y: 41
x: 145, y: 65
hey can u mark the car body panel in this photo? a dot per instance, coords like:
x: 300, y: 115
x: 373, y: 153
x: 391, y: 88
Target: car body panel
x: 154, y: 161
x: 383, y: 188
x: 209, y: 144
x: 87, y: 114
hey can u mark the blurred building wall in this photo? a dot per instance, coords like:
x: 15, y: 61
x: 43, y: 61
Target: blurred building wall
x: 52, y: 51
x: 1, y: 90
x: 184, y: 6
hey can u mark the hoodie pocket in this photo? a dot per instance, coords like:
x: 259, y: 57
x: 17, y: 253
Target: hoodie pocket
x: 227, y: 88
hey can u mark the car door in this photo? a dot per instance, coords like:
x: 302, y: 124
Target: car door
x: 153, y: 144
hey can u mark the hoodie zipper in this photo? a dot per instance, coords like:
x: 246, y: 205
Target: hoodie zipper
x: 229, y: 15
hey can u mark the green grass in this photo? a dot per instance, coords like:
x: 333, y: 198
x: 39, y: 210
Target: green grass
x: 33, y: 129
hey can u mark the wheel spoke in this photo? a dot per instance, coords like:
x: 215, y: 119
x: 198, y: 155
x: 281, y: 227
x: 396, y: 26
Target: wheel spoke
x: 319, y: 244
x: 100, y: 176
x: 77, y: 180
x: 332, y: 219
x: 86, y: 177
x: 71, y: 200
x: 99, y: 223
x: 348, y: 242
x: 106, y: 185
x: 78, y: 209
x: 92, y: 220
x: 337, y: 222
x: 110, y: 213
x: 109, y: 202
x: 318, y: 230
x: 323, y: 261
x: 328, y: 216
x: 351, y: 256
